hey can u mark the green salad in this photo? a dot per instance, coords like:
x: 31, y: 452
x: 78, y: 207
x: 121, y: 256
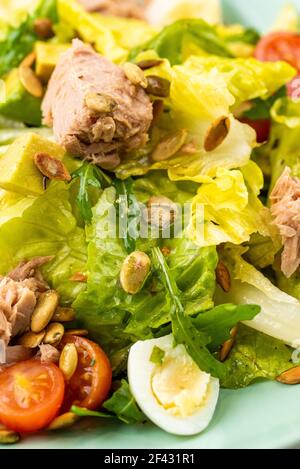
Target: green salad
x: 149, y: 212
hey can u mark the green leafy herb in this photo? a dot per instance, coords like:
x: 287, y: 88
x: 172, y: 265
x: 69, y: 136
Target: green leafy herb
x: 129, y: 213
x: 261, y: 109
x: 169, y: 42
x: 248, y: 36
x: 82, y: 412
x: 218, y: 322
x: 157, y: 355
x: 255, y: 355
x: 90, y: 176
x: 123, y: 405
x: 184, y: 331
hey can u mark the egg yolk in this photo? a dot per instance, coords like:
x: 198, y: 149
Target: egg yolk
x: 179, y: 385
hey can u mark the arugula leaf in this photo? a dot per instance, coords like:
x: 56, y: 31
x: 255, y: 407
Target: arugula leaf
x: 169, y: 42
x: 90, y: 176
x: 123, y: 405
x: 248, y: 36
x: 255, y: 355
x: 82, y: 412
x: 129, y: 213
x: 184, y: 331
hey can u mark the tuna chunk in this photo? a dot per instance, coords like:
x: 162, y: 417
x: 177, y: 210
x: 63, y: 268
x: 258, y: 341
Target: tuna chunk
x: 285, y: 200
x: 99, y: 136
x: 48, y: 354
x: 125, y: 8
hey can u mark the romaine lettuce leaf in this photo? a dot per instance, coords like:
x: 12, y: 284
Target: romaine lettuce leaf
x: 255, y: 356
x: 227, y: 209
x: 115, y: 318
x: 46, y: 227
x: 280, y: 313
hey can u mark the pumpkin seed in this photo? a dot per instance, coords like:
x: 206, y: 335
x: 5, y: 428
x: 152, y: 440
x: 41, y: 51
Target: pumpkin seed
x: 68, y: 360
x: 54, y: 333
x: 78, y: 332
x: 29, y: 60
x: 100, y: 103
x: 64, y: 314
x: 134, y: 271
x: 217, y: 133
x: 150, y: 63
x: 31, y: 339
x: 51, y: 167
x: 290, y: 377
x: 162, y: 211
x: 44, y: 310
x: 158, y: 86
x: 158, y: 109
x: 227, y: 346
x: 223, y: 277
x: 63, y: 421
x: 8, y: 437
x: 43, y: 28
x: 30, y: 81
x: 135, y: 74
x: 169, y: 145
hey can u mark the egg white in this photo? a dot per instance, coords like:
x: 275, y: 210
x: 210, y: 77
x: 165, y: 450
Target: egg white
x: 140, y: 372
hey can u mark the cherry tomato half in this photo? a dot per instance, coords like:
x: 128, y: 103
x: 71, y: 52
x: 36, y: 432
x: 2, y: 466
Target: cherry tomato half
x: 261, y: 126
x: 91, y: 382
x: 31, y: 395
x: 279, y: 46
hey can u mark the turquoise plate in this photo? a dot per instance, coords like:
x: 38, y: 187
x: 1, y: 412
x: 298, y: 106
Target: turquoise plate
x: 264, y: 415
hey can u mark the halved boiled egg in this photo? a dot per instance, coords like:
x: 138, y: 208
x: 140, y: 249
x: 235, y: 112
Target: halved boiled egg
x: 163, y: 12
x: 170, y: 388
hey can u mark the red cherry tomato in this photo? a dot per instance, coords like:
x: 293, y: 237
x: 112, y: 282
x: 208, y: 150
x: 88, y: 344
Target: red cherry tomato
x: 261, y: 126
x: 279, y: 46
x: 31, y: 394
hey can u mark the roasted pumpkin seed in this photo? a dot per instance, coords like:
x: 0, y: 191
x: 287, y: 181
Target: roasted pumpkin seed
x: 44, y: 310
x: 30, y: 81
x: 223, y: 277
x: 100, y: 103
x: 158, y: 109
x: 78, y: 332
x: 217, y: 133
x: 64, y: 314
x: 43, y: 28
x: 8, y: 437
x: 290, y: 377
x: 31, y: 339
x: 135, y: 74
x: 227, y: 346
x: 29, y: 60
x: 134, y: 271
x: 150, y: 63
x: 54, y: 333
x: 51, y: 167
x: 161, y: 211
x: 158, y: 86
x: 169, y: 145
x: 68, y: 360
x: 63, y: 421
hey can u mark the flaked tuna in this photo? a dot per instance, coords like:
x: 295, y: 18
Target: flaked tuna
x: 101, y: 130
x: 285, y: 208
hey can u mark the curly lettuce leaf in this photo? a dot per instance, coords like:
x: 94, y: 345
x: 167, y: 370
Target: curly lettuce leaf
x: 227, y: 209
x: 169, y: 43
x: 45, y: 226
x: 280, y: 312
x: 255, y: 356
x: 117, y: 319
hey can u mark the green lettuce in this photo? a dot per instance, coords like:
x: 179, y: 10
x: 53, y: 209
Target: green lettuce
x: 280, y: 312
x: 228, y: 209
x: 255, y: 356
x: 45, y: 226
x: 171, y: 41
x: 117, y: 319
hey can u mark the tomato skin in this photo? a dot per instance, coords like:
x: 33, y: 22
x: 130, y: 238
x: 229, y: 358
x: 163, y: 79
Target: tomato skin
x: 261, y: 126
x: 31, y: 394
x: 279, y: 46
x: 93, y: 373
